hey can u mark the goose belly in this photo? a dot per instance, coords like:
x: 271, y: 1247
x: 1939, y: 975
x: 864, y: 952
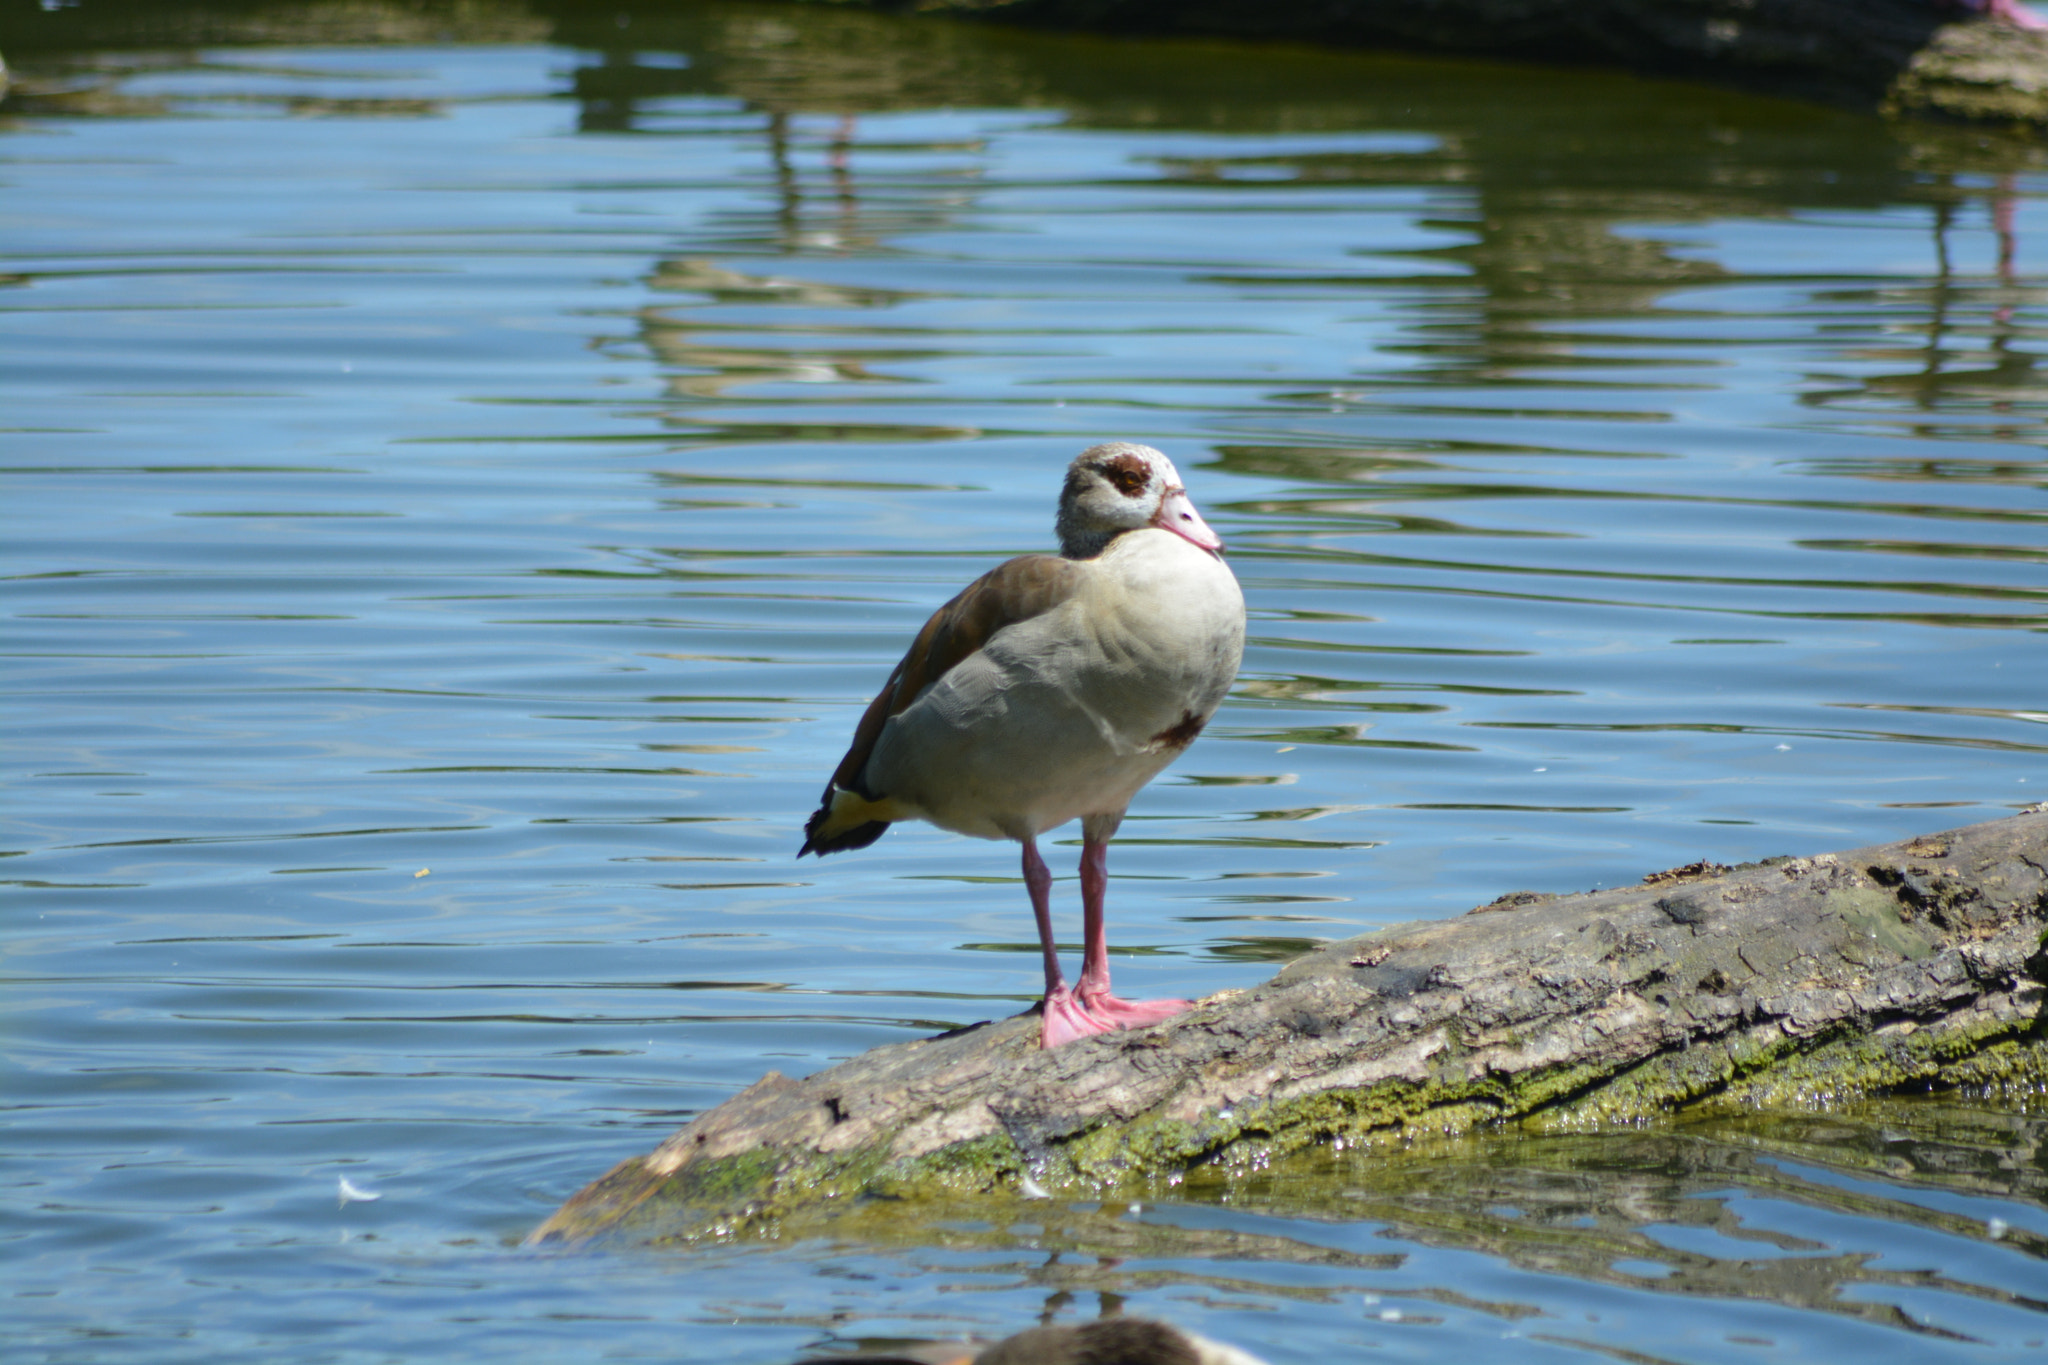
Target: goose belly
x: 1008, y: 757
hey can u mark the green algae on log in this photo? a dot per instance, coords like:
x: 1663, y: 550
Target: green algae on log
x: 1792, y: 982
x: 1590, y: 1206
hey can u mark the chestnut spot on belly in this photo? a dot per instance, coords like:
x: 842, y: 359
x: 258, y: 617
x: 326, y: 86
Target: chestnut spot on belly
x: 1180, y: 735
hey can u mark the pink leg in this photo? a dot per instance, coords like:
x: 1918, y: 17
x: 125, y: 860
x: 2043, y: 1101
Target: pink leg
x: 1063, y: 1018
x: 1094, y: 990
x: 2004, y: 204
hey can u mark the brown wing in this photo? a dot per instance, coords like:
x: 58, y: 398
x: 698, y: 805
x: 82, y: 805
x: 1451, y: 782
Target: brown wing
x: 1027, y: 586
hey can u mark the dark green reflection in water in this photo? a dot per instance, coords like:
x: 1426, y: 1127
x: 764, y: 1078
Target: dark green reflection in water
x: 1761, y: 1209
x: 1556, y: 171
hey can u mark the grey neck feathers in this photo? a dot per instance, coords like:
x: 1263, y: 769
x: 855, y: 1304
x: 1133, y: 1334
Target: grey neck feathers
x: 1083, y: 542
x: 1081, y: 537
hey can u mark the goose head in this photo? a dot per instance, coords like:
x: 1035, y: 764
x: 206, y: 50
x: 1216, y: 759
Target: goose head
x: 1121, y: 486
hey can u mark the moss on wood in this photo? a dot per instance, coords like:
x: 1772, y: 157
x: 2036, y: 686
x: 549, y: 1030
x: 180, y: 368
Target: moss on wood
x: 1792, y: 984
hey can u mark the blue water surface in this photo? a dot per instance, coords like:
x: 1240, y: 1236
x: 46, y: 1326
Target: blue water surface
x: 459, y: 495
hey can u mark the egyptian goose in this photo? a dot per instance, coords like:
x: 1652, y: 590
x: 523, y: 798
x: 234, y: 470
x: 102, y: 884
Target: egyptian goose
x: 1053, y: 688
x: 1106, y: 1341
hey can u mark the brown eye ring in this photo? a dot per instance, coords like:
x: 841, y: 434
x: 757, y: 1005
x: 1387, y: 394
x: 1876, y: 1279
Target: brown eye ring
x: 1127, y: 475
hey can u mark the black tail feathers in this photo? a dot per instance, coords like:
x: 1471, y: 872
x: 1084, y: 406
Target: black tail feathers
x: 860, y: 836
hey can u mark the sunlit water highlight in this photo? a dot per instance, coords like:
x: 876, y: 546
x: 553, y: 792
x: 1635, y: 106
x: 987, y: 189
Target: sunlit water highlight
x: 459, y: 497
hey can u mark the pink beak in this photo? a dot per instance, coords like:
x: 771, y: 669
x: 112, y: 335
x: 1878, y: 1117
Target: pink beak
x: 1178, y: 515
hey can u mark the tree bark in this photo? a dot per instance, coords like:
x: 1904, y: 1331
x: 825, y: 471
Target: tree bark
x: 1785, y: 983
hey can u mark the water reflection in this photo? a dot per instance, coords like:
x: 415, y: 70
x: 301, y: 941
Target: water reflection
x: 1542, y: 196
x: 1725, y: 1222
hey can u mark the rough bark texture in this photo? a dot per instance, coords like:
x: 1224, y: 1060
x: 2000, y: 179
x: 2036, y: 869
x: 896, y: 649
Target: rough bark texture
x: 1788, y: 982
x: 1906, y: 56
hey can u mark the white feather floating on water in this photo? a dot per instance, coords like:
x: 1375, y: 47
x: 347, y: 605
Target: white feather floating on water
x: 352, y: 1193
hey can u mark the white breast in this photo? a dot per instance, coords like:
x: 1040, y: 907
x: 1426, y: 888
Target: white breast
x: 1070, y: 713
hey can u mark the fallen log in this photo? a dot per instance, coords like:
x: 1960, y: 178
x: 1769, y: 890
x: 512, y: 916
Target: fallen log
x: 1786, y: 983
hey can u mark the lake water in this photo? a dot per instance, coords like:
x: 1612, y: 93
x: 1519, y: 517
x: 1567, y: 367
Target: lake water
x: 459, y: 493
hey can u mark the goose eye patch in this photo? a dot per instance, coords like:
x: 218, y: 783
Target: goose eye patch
x: 1128, y: 474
